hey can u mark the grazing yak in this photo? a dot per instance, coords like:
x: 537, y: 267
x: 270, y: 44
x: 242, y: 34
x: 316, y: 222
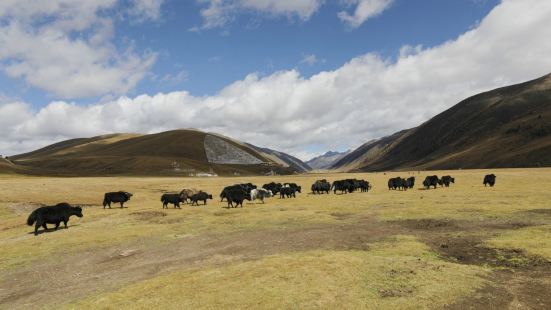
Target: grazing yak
x: 247, y: 187
x: 260, y: 193
x: 398, y: 183
x: 293, y: 186
x: 489, y: 179
x: 364, y: 186
x: 186, y: 194
x: 173, y: 198
x: 52, y: 215
x: 321, y: 186
x: 344, y: 186
x: 350, y: 185
x: 237, y: 196
x: 410, y: 182
x: 446, y: 180
x: 274, y: 187
x: 431, y: 180
x: 287, y: 192
x: 200, y: 196
x: 120, y: 197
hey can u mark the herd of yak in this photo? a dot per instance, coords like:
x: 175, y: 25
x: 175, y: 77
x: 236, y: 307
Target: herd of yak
x: 235, y: 195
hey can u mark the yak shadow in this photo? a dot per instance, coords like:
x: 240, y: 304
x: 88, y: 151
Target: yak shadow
x: 50, y: 230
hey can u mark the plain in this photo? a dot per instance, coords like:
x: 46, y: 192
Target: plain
x: 467, y: 245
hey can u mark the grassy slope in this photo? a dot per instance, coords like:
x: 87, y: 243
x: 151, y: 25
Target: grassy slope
x: 132, y: 154
x: 506, y: 127
x: 242, y: 261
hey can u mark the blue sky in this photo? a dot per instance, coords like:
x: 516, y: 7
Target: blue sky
x: 209, y: 59
x: 259, y: 70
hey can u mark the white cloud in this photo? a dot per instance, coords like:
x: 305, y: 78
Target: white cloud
x: 311, y: 59
x: 65, y: 48
x: 219, y: 13
x: 366, y: 98
x: 365, y: 9
x: 146, y: 10
x: 177, y: 78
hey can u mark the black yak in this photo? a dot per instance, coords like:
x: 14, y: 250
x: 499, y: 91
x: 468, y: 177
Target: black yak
x: 200, y: 196
x: 287, y: 192
x: 173, y: 198
x: 446, y: 180
x: 411, y: 182
x: 52, y: 215
x: 247, y: 187
x: 489, y: 179
x: 321, y: 186
x: 274, y: 187
x: 236, y: 196
x: 120, y: 197
x: 431, y: 180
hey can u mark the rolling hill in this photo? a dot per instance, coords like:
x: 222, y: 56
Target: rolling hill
x: 177, y: 152
x: 505, y: 127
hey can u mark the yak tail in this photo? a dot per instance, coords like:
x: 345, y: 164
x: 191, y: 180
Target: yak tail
x: 32, y: 218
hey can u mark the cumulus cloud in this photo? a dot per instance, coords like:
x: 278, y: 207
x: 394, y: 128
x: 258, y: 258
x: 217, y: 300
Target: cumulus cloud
x: 366, y: 98
x: 219, y: 13
x: 310, y: 59
x: 146, y: 10
x: 65, y: 47
x: 365, y: 9
x: 177, y: 78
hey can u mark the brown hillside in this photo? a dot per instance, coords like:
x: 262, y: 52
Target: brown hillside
x: 506, y: 127
x: 176, y: 152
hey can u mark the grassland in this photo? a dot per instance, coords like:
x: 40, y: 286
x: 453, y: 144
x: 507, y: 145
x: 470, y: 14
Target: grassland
x: 460, y: 247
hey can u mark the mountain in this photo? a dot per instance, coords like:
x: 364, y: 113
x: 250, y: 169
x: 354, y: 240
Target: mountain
x: 283, y: 158
x: 177, y: 152
x: 505, y: 127
x: 326, y: 160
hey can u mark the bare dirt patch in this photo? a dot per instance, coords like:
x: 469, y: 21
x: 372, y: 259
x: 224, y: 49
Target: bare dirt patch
x: 26, y: 207
x: 148, y: 215
x: 540, y: 211
x: 508, y: 289
x: 519, y: 280
x: 469, y: 250
x: 430, y: 224
x: 341, y: 215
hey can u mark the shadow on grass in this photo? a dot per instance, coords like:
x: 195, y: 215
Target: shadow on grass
x: 51, y: 230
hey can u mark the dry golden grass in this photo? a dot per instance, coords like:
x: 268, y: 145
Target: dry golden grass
x: 398, y: 273
x: 316, y: 251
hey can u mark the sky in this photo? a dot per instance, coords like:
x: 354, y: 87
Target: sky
x: 299, y: 76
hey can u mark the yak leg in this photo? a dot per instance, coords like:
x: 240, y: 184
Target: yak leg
x: 65, y: 223
x: 57, y: 225
x: 36, y: 226
x: 122, y: 204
